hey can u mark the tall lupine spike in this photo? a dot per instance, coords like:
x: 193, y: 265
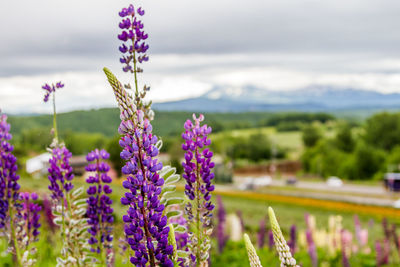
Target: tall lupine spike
x: 9, y: 187
x: 144, y: 221
x: 293, y: 238
x: 221, y: 227
x: 99, y: 211
x: 283, y: 249
x: 60, y: 174
x: 261, y: 233
x: 197, y: 173
x: 27, y: 228
x: 251, y: 252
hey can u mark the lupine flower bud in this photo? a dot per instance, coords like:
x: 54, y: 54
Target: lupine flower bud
x: 251, y: 252
x: 280, y: 243
x: 60, y: 173
x: 8, y: 172
x: 99, y: 211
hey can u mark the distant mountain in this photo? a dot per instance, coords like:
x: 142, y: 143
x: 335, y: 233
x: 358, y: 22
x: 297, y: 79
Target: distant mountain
x: 313, y: 98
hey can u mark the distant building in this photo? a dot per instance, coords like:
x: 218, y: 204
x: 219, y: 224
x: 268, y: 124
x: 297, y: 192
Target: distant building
x: 38, y: 165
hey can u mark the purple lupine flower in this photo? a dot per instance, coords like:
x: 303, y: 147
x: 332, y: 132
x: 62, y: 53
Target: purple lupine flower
x: 293, y: 237
x: 99, y: 211
x: 382, y: 252
x: 60, y: 173
x: 312, y: 250
x: 47, y: 210
x: 198, y: 160
x: 133, y: 48
x: 50, y: 89
x: 30, y: 215
x: 261, y: 233
x: 271, y: 241
x: 221, y: 216
x: 197, y: 173
x: 8, y: 172
x: 346, y: 240
x: 144, y: 222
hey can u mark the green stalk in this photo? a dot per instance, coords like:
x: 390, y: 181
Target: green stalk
x: 14, y: 237
x: 55, y: 117
x: 199, y: 241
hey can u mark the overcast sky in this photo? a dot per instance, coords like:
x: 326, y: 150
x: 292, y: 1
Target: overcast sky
x: 196, y: 45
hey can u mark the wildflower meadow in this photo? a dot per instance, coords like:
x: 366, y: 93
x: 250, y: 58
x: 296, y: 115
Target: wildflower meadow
x: 160, y: 214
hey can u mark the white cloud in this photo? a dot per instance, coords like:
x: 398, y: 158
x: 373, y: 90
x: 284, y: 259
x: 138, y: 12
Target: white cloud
x: 174, y: 77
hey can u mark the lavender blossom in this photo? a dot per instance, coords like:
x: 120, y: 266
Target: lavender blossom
x: 382, y: 252
x: 293, y: 238
x: 197, y: 173
x: 60, y: 173
x: 271, y: 241
x: 133, y: 47
x: 144, y: 222
x: 47, y: 210
x: 51, y: 89
x: 221, y: 215
x: 30, y: 215
x: 99, y: 209
x: 8, y: 173
x: 312, y: 250
x: 261, y: 233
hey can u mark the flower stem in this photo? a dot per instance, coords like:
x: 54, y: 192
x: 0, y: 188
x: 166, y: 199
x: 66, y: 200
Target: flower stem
x: 55, y: 117
x: 198, y: 254
x: 14, y: 237
x: 103, y: 257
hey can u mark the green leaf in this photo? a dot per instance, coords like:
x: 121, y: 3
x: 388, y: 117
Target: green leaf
x: 172, y: 179
x: 173, y: 213
x: 179, y: 228
x: 172, y: 201
x: 168, y: 188
x: 167, y: 171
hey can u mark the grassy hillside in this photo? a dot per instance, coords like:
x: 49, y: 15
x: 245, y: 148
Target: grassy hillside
x: 105, y: 121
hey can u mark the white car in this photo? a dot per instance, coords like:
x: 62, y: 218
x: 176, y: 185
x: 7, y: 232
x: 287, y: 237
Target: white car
x: 334, y: 181
x: 396, y: 204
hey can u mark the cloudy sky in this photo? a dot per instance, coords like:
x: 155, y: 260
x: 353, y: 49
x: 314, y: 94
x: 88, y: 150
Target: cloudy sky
x: 195, y: 46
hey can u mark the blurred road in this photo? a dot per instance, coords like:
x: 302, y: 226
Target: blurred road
x: 353, y: 193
